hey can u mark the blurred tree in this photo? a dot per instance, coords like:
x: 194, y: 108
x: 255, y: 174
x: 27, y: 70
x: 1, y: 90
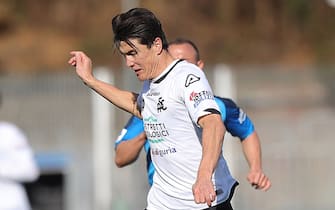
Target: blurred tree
x: 231, y: 31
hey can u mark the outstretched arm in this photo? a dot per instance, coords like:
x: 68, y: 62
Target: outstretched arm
x: 252, y: 152
x: 128, y: 151
x: 123, y: 99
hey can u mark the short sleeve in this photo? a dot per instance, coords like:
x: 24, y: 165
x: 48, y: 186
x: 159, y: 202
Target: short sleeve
x: 197, y: 93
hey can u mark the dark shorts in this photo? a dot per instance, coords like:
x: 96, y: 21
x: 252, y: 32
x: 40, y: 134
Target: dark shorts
x: 225, y: 205
x: 222, y: 206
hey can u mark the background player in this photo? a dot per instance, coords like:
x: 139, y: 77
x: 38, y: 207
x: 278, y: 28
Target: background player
x: 17, y: 165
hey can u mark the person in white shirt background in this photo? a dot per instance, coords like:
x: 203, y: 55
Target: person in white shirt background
x: 17, y: 166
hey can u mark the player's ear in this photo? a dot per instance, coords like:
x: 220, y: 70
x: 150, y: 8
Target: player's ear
x: 158, y: 45
x: 200, y: 64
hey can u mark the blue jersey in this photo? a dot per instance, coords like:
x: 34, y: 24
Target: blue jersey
x: 132, y: 129
x: 236, y: 121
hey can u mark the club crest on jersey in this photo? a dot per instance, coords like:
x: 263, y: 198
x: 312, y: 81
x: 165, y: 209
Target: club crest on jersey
x: 160, y: 105
x: 191, y: 78
x: 197, y: 98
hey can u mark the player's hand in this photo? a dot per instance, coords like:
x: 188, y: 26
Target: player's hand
x: 203, y: 191
x: 83, y: 65
x: 259, y: 180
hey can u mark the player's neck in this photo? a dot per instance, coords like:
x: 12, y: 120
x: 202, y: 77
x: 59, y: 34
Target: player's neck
x: 164, y: 61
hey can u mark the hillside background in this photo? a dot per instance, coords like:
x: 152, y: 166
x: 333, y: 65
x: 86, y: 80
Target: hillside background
x: 37, y: 35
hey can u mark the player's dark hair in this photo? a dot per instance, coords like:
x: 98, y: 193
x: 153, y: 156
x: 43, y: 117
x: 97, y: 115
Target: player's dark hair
x: 187, y: 41
x: 139, y: 23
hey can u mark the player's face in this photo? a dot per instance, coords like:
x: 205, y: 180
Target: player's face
x: 140, y: 58
x: 183, y: 51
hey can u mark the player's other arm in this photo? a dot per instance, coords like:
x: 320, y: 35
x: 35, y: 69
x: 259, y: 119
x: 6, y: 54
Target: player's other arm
x: 127, y: 152
x: 252, y: 151
x: 241, y: 126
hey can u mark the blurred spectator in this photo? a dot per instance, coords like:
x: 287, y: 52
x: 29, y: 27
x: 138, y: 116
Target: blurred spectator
x: 17, y: 165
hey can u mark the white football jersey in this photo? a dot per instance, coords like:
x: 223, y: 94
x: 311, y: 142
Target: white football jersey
x: 171, y: 105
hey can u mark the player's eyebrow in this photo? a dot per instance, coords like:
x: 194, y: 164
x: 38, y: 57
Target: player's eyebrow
x: 131, y: 52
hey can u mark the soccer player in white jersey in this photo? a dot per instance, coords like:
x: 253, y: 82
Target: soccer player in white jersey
x: 17, y: 166
x: 132, y: 137
x: 181, y: 118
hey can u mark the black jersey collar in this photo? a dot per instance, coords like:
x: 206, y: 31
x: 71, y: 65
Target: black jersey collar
x: 163, y: 77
